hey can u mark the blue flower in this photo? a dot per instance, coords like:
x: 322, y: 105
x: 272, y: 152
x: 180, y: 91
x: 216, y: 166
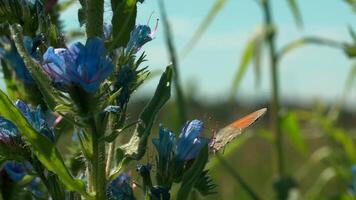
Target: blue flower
x: 7, y: 128
x: 164, y: 145
x: 18, y: 171
x: 190, y: 142
x: 9, y: 135
x: 140, y: 36
x: 86, y: 65
x: 120, y: 189
x: 15, y: 171
x: 36, y: 119
x: 9, y: 53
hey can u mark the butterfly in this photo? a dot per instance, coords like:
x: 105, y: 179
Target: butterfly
x: 231, y: 131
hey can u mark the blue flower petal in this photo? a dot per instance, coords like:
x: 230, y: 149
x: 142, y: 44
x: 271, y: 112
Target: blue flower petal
x: 26, y: 111
x: 120, y: 189
x: 190, y: 142
x: 139, y: 36
x: 165, y: 143
x: 7, y: 128
x: 84, y: 65
x: 36, y: 119
x: 15, y: 171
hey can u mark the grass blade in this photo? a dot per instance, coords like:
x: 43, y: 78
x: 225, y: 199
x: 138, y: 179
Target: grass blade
x: 174, y: 60
x: 217, y: 7
x: 294, y: 8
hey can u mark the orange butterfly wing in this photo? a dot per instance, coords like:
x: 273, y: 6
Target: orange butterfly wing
x: 231, y: 131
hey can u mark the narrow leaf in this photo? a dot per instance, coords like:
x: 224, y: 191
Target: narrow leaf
x: 244, y: 63
x: 290, y: 125
x: 42, y: 147
x: 217, y: 7
x: 136, y: 147
x: 307, y: 41
x: 51, y: 96
x: 293, y: 6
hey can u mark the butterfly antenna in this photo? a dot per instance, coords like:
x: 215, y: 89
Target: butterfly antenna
x: 149, y: 18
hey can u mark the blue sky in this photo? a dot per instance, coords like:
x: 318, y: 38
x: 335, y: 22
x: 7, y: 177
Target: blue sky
x: 308, y: 74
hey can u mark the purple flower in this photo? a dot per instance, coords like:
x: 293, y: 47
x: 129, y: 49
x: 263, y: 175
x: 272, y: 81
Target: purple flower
x: 190, y: 142
x: 87, y: 66
x: 36, y: 119
x: 140, y: 36
x: 120, y: 189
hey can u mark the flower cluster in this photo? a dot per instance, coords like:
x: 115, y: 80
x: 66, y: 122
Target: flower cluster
x: 84, y: 65
x: 186, y: 147
x: 18, y: 172
x: 11, y: 140
x: 175, y: 154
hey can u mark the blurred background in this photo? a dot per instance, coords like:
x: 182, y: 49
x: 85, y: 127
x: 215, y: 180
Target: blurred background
x: 226, y: 70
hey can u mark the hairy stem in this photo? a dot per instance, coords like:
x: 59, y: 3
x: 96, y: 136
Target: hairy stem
x: 98, y: 168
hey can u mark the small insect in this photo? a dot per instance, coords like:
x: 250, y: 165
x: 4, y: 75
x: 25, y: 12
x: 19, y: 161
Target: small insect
x: 231, y: 131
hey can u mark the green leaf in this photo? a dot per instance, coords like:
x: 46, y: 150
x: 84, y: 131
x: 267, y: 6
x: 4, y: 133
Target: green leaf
x: 315, y: 190
x: 136, y: 147
x: 193, y: 174
x: 252, y: 52
x: 352, y: 33
x: 51, y: 96
x: 123, y: 21
x: 307, y: 41
x: 350, y: 50
x: 346, y: 141
x: 41, y: 146
x: 290, y: 126
x: 245, y: 60
x: 293, y: 6
x: 217, y: 7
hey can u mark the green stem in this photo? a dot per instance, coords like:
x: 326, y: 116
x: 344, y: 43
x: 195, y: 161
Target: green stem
x: 98, y: 168
x: 238, y: 178
x: 275, y: 120
x: 95, y: 18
